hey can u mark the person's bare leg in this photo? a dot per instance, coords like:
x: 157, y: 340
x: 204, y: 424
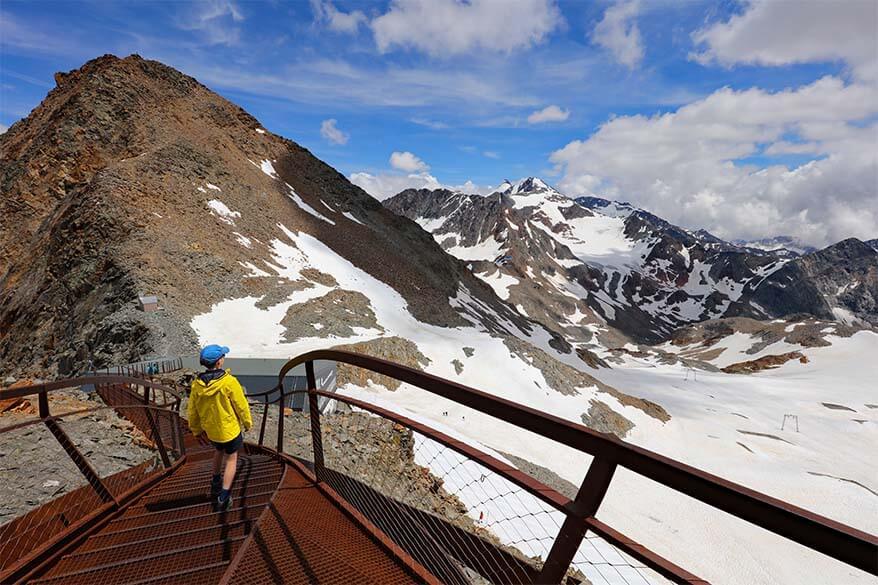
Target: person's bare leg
x: 231, y: 467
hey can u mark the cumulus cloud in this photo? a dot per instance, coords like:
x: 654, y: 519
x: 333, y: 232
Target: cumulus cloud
x: 618, y: 33
x: 330, y: 132
x: 410, y: 173
x: 776, y: 33
x: 347, y: 22
x: 216, y: 20
x: 694, y: 165
x: 451, y: 27
x: 408, y: 162
x: 548, y: 114
x: 3, y: 128
x: 384, y: 185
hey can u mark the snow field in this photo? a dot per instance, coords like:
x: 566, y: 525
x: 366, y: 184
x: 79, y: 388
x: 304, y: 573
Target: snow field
x: 707, y: 417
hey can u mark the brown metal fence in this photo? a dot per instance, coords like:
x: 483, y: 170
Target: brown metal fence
x: 559, y: 538
x: 417, y: 490
x: 83, y: 461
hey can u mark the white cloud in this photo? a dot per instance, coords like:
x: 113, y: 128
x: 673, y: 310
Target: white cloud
x: 384, y: 185
x: 346, y: 22
x: 780, y: 33
x: 618, y: 33
x: 451, y: 27
x: 216, y: 20
x: 432, y: 124
x: 682, y: 165
x: 338, y: 82
x: 3, y: 128
x: 331, y: 132
x: 491, y: 154
x: 408, y: 162
x: 548, y: 114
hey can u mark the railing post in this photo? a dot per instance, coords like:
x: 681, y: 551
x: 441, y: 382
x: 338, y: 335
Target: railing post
x: 44, y: 404
x: 588, y: 500
x: 280, y: 419
x: 314, y: 411
x: 154, y: 427
x: 264, y: 417
x: 87, y: 470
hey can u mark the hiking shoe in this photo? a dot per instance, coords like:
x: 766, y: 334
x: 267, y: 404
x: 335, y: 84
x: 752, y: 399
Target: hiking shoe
x: 223, y: 505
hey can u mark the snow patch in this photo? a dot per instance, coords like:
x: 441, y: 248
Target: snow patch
x: 268, y: 168
x: 243, y: 240
x: 305, y: 207
x: 225, y: 214
x: 351, y: 217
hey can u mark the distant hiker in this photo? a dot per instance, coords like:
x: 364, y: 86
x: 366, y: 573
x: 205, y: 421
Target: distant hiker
x: 218, y: 407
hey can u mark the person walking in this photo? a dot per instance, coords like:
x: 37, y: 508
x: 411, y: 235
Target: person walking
x: 218, y: 407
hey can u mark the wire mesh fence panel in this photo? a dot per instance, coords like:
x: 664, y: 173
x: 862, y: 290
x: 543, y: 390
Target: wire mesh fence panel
x: 41, y: 492
x: 297, y: 435
x: 455, y: 516
x: 603, y: 564
x: 119, y: 453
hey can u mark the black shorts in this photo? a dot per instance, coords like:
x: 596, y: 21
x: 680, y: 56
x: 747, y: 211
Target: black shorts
x: 230, y: 447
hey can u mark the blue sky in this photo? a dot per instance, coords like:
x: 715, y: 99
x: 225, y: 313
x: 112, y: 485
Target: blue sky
x: 454, y: 83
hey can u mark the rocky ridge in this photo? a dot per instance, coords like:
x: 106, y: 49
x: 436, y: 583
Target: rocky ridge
x: 579, y: 265
x: 132, y: 178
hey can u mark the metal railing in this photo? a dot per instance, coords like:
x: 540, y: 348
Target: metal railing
x: 144, y: 368
x: 578, y: 514
x: 76, y: 471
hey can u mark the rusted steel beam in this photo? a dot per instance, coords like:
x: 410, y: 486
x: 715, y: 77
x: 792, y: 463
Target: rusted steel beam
x: 84, y: 467
x: 657, y: 563
x: 280, y: 422
x: 504, y: 470
x: 588, y: 500
x: 511, y: 474
x: 422, y: 574
x: 83, y: 381
x: 157, y: 437
x: 314, y: 411
x: 33, y: 566
x: 262, y: 425
x: 154, y: 429
x: 844, y: 543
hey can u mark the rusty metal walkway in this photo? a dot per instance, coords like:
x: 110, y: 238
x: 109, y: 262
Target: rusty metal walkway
x: 281, y: 529
x: 356, y: 494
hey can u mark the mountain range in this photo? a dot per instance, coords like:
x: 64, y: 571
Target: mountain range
x: 578, y: 265
x: 133, y: 179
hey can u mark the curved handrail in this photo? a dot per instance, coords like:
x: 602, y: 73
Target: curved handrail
x: 531, y: 485
x: 46, y: 387
x: 69, y: 413
x: 837, y: 540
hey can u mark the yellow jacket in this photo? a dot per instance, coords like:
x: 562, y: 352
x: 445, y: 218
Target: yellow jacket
x: 218, y: 407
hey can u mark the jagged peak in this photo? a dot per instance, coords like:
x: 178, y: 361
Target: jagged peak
x: 530, y: 185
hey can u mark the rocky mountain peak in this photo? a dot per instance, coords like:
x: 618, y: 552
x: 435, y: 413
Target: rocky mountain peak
x: 530, y: 185
x: 132, y: 178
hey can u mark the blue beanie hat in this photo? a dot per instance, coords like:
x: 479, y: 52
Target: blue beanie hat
x: 212, y: 353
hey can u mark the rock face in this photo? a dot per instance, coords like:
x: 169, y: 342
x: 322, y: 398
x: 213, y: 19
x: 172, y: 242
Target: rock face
x: 577, y: 265
x: 132, y: 178
x: 839, y: 282
x: 396, y: 349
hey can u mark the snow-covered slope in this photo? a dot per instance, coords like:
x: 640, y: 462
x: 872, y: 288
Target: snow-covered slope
x: 819, y: 457
x: 579, y: 265
x: 571, y: 266
x: 777, y: 244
